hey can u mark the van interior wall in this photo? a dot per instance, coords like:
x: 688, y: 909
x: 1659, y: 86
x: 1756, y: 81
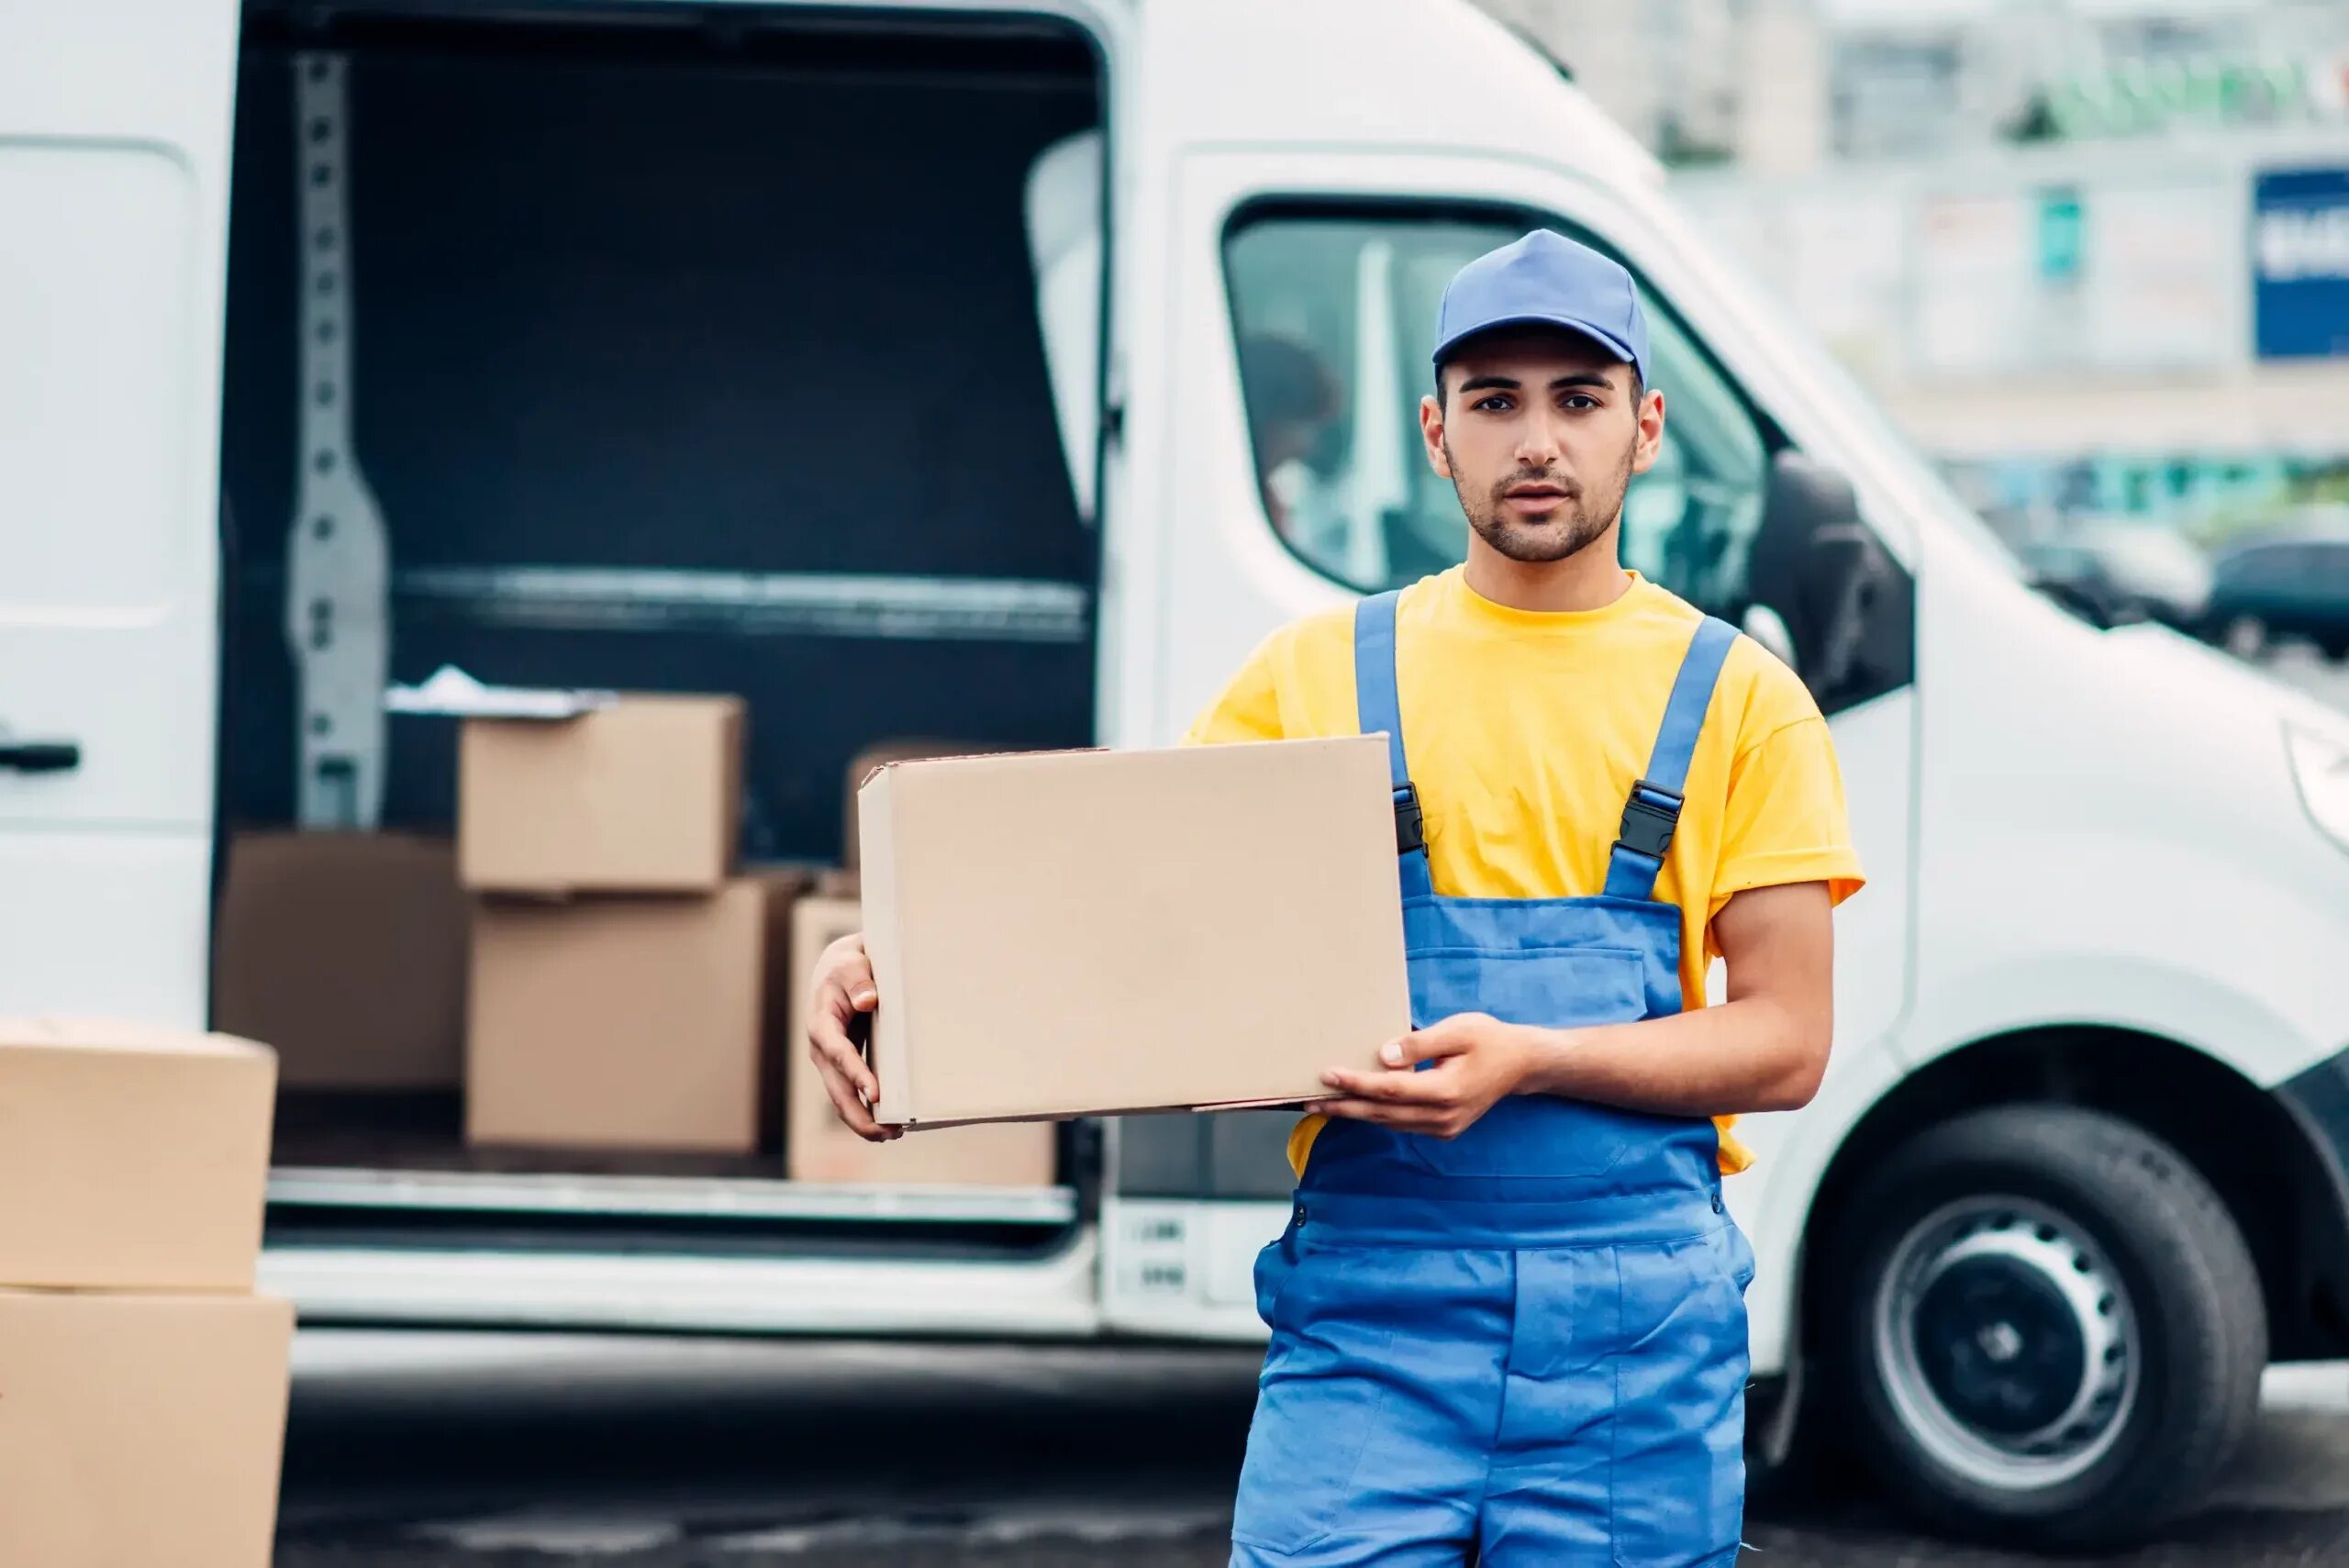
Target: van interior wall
x: 676, y: 313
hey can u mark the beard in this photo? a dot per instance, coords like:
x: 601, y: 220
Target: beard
x: 1581, y: 520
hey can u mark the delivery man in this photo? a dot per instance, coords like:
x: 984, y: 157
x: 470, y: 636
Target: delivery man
x: 1507, y: 1314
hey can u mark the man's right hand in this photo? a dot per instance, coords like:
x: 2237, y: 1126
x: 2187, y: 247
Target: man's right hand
x: 845, y: 988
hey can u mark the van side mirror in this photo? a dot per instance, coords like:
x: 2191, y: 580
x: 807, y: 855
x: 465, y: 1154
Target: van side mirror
x: 1811, y: 573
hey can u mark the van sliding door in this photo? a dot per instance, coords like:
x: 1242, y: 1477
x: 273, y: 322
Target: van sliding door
x: 113, y: 199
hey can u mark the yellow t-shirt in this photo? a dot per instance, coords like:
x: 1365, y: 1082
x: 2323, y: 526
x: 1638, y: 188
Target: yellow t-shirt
x: 1525, y: 731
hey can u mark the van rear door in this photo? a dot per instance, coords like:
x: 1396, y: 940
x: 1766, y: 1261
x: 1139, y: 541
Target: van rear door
x: 114, y: 196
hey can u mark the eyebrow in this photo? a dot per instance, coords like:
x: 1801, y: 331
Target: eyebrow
x: 1511, y: 384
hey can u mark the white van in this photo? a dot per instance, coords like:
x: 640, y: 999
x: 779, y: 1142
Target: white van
x: 944, y: 365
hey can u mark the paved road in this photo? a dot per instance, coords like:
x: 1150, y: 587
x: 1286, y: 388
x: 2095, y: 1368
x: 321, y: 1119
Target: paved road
x: 463, y: 1453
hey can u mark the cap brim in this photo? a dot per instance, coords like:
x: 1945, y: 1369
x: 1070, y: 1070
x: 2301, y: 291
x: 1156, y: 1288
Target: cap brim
x: 1598, y: 335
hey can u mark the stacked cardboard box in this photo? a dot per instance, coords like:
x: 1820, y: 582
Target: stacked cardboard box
x: 345, y: 952
x: 627, y: 987
x: 142, y: 1383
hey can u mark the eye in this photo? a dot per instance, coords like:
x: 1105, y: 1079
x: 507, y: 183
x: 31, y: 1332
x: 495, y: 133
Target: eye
x: 1580, y: 400
x: 1493, y: 403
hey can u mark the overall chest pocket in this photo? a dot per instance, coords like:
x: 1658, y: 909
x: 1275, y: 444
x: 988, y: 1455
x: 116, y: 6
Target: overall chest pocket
x: 1566, y: 988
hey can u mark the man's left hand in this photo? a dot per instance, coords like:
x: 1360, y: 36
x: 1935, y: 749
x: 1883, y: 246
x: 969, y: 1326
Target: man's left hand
x: 1477, y: 1060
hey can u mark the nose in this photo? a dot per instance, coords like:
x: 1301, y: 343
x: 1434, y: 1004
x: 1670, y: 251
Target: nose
x: 1537, y: 443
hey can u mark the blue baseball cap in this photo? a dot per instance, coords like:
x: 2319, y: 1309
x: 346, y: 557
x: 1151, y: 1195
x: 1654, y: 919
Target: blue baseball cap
x: 1545, y: 280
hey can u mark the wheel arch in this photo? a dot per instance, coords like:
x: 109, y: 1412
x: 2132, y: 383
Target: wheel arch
x: 2243, y: 1140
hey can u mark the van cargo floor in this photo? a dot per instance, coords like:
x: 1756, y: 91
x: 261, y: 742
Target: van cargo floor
x: 406, y: 1152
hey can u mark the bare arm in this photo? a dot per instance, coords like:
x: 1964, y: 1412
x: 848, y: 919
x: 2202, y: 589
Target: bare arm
x: 1764, y: 1048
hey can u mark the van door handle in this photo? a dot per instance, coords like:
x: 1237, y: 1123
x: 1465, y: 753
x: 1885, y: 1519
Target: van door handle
x: 41, y: 756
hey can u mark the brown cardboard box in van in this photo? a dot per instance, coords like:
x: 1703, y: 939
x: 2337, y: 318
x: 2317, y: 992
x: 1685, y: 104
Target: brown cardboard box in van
x: 643, y: 796
x: 139, y: 1431
x: 631, y: 1023
x: 131, y: 1157
x: 1081, y: 933
x: 817, y: 1148
x: 345, y: 953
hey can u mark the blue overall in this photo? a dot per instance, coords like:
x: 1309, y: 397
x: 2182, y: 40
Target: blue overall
x: 1526, y: 1345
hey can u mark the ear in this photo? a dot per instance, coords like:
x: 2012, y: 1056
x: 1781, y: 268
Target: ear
x: 1651, y: 436
x: 1431, y: 435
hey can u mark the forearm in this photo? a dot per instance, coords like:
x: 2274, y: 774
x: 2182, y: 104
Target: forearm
x: 1753, y: 1053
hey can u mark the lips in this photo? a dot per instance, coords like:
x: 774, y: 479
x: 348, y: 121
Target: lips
x: 1535, y: 493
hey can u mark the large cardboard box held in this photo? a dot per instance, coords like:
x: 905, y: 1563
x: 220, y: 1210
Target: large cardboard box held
x: 345, y: 953
x: 1082, y: 933
x: 632, y: 1023
x: 131, y: 1157
x: 643, y: 796
x: 138, y: 1431
x: 818, y: 1148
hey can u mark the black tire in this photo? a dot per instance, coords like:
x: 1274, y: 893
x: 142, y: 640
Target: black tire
x: 2152, y: 1238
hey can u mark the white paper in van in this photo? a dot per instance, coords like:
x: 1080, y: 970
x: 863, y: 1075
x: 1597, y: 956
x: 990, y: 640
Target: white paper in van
x: 449, y: 692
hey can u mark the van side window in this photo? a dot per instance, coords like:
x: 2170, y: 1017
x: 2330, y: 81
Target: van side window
x: 1331, y: 315
x: 1331, y: 310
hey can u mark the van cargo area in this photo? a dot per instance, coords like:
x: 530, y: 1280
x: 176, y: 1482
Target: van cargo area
x: 649, y: 349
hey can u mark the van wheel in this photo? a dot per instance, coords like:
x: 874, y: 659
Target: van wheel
x: 2245, y: 637
x: 2045, y: 1327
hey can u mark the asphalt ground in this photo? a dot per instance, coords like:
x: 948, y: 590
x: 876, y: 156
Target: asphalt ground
x: 473, y: 1453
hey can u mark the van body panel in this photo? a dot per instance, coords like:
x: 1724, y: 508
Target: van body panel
x: 114, y: 192
x: 2075, y: 781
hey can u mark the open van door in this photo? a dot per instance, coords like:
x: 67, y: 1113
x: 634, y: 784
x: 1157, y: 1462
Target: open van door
x: 114, y: 196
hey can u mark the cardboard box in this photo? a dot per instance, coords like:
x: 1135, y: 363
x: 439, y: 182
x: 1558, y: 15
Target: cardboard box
x: 131, y: 1157
x: 141, y: 1430
x: 345, y: 953
x: 644, y: 796
x: 1084, y: 933
x: 817, y: 1148
x: 631, y: 1023
x: 879, y: 755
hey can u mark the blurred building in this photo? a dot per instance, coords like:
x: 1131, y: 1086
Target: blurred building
x: 2093, y: 254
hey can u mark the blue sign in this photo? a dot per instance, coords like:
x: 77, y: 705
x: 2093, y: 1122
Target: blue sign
x: 2300, y: 263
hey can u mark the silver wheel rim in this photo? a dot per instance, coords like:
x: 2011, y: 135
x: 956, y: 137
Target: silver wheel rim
x: 1957, y: 1358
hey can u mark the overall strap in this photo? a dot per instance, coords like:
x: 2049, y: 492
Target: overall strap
x: 1379, y: 709
x: 1653, y: 812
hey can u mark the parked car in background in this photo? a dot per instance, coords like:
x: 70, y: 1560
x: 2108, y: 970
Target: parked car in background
x: 2119, y: 571
x: 2288, y: 584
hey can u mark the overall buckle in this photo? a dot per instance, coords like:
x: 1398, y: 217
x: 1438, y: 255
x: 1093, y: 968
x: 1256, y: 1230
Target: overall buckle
x: 1647, y: 825
x: 1411, y: 822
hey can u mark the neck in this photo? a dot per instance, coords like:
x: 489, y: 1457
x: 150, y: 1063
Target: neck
x: 1590, y: 579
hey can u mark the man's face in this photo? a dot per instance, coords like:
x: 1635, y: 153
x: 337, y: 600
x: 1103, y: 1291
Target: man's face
x: 1540, y: 433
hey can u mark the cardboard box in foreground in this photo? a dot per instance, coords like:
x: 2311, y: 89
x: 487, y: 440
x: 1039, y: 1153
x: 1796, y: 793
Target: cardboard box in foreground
x: 818, y: 1148
x: 141, y: 1432
x: 345, y: 953
x: 131, y: 1157
x: 644, y: 796
x: 631, y: 1023
x: 1082, y: 933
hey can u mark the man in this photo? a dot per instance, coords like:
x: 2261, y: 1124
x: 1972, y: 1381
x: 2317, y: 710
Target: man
x: 1508, y: 1315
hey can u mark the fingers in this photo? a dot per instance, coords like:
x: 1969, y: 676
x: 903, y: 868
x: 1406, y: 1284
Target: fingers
x: 847, y: 1106
x: 828, y: 1039
x: 1452, y: 1037
x: 845, y: 965
x: 845, y: 990
x: 1429, y: 1119
x: 1437, y: 1089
